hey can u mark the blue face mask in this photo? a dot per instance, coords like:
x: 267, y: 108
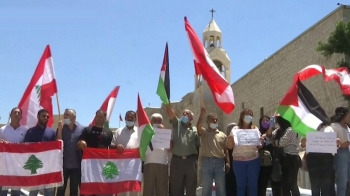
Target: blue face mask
x: 184, y: 119
x: 129, y: 123
x: 248, y: 119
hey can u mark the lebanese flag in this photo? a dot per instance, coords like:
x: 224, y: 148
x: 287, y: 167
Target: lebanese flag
x: 220, y: 88
x: 145, y: 129
x: 196, y: 68
x: 301, y: 109
x: 105, y: 171
x: 39, y: 92
x: 339, y: 75
x: 163, y: 89
x: 31, y: 166
x: 108, y: 106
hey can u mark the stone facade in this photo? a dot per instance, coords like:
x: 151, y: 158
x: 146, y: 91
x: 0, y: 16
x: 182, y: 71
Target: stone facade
x: 262, y: 88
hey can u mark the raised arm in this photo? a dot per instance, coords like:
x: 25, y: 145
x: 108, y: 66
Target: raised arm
x: 200, y: 128
x: 170, y: 111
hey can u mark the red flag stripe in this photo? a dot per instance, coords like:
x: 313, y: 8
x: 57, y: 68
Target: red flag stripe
x: 31, y: 147
x: 30, y: 181
x: 111, y: 188
x: 94, y: 153
x: 197, y: 68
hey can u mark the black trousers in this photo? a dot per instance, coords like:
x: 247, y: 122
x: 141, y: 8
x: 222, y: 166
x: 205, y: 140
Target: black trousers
x: 264, y: 178
x: 74, y: 176
x: 290, y: 167
x: 321, y: 172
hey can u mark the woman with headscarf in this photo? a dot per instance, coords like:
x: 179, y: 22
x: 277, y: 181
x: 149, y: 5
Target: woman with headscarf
x: 231, y: 188
x: 342, y: 158
x: 265, y: 171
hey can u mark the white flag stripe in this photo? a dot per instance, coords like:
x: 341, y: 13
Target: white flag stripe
x: 110, y: 107
x: 50, y: 160
x: 49, y: 73
x: 306, y: 117
x: 91, y: 170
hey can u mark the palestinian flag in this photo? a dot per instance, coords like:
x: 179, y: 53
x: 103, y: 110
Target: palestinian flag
x: 105, y: 171
x: 31, y: 166
x: 163, y: 89
x: 301, y: 109
x: 145, y: 129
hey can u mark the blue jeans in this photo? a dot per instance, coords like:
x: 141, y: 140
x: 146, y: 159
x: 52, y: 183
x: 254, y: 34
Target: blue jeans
x: 342, y: 170
x: 47, y: 192
x: 13, y: 192
x: 213, y: 169
x: 247, y: 175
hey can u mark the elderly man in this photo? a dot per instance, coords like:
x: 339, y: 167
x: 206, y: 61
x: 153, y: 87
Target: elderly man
x: 183, y: 166
x: 69, y: 132
x: 41, y: 133
x: 156, y: 166
x: 127, y: 138
x: 214, y: 154
x: 13, y: 133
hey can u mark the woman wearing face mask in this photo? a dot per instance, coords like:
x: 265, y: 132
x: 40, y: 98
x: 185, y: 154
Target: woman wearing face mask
x: 287, y: 140
x: 246, y: 161
x: 265, y: 171
x: 342, y: 158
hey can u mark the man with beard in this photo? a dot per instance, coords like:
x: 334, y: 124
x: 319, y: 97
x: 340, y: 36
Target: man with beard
x: 13, y: 133
x: 96, y: 136
x: 41, y: 133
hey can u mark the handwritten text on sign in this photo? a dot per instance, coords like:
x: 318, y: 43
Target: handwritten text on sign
x: 246, y: 137
x: 161, y: 138
x: 321, y: 142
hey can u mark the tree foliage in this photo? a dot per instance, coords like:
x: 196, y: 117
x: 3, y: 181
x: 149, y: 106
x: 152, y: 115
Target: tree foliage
x: 32, y: 164
x: 110, y: 170
x: 338, y: 42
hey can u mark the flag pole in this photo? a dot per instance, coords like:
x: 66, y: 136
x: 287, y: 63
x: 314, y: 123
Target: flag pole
x: 200, y: 90
x: 58, y: 107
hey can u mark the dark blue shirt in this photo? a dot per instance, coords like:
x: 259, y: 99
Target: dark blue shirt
x: 71, y: 155
x: 39, y: 134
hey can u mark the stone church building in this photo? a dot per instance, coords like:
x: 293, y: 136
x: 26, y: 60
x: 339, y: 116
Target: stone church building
x: 274, y: 73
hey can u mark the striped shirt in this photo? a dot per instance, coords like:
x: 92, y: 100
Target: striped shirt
x: 289, y: 141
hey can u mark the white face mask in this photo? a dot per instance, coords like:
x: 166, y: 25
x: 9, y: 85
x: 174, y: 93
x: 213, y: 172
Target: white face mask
x: 66, y: 121
x: 213, y: 125
x: 129, y: 123
x: 248, y: 119
x: 155, y: 125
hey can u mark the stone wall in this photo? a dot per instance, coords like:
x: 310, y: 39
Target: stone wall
x: 265, y: 85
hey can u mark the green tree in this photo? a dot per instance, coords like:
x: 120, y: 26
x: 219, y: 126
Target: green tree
x: 338, y: 42
x: 110, y: 170
x: 32, y: 164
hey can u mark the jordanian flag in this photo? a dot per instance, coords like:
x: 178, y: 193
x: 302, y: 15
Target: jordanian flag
x: 145, y: 129
x: 163, y: 89
x: 301, y: 109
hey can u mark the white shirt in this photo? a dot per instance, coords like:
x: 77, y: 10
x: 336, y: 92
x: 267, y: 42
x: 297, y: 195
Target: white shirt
x: 342, y: 133
x: 9, y: 134
x: 130, y: 139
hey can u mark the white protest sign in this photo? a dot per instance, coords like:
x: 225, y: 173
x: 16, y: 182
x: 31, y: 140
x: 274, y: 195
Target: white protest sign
x: 321, y: 142
x: 246, y: 137
x: 161, y: 138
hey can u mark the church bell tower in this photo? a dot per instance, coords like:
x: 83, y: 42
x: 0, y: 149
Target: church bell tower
x: 212, y: 41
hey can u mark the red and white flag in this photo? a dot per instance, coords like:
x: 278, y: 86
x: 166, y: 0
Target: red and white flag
x: 108, y: 104
x: 39, y: 92
x: 340, y: 75
x: 31, y: 166
x: 120, y: 118
x: 220, y: 88
x: 105, y: 171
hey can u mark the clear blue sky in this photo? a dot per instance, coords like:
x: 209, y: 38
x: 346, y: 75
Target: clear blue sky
x: 97, y: 45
